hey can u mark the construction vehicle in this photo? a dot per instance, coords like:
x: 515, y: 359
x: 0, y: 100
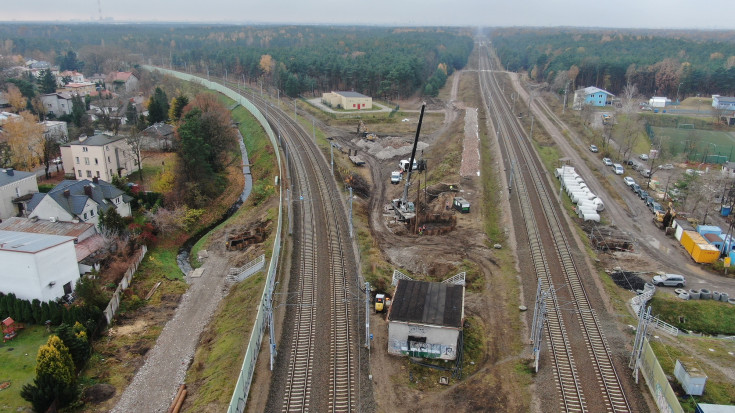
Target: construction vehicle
x: 379, y: 303
x: 404, y: 209
x: 659, y: 217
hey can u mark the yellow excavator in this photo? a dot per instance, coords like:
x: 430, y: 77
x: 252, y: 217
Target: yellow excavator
x: 659, y: 216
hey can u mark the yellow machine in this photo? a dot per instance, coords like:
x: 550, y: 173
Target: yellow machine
x: 379, y: 303
x: 659, y: 215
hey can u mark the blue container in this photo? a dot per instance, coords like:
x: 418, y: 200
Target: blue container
x: 725, y: 211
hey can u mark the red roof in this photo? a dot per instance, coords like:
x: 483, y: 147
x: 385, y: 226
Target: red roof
x: 119, y: 76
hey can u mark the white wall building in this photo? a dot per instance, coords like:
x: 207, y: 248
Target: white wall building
x: 37, y: 266
x: 99, y: 156
x: 79, y: 200
x: 57, y: 104
x: 15, y: 185
x: 425, y: 319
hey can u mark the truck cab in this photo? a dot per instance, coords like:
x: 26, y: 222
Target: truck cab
x: 395, y: 177
x: 403, y: 164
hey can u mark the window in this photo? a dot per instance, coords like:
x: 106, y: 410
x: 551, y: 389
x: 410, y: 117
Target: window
x: 67, y: 288
x: 111, y: 174
x: 107, y: 147
x: 86, y: 160
x: 91, y: 213
x: 117, y: 200
x: 98, y: 174
x: 89, y: 174
x: 108, y: 160
x: 17, y: 191
x: 96, y: 161
x: 85, y: 149
x: 85, y: 216
x: 80, y: 173
x: 77, y: 160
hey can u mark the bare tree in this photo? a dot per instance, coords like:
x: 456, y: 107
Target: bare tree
x: 628, y: 97
x: 626, y: 132
x: 135, y: 141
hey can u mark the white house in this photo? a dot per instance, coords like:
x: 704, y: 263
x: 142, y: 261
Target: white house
x: 728, y: 169
x: 79, y: 200
x: 425, y: 319
x: 15, y: 188
x: 89, y: 245
x: 723, y: 102
x: 57, y: 104
x: 37, y: 266
x: 99, y: 156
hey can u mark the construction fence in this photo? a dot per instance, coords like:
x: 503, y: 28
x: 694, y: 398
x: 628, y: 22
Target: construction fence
x: 114, y: 304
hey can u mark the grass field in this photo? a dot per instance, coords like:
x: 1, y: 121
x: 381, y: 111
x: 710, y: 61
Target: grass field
x: 708, y: 142
x: 18, y: 361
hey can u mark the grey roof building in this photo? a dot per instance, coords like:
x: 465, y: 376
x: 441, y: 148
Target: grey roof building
x: 425, y: 319
x: 79, y: 200
x: 16, y: 188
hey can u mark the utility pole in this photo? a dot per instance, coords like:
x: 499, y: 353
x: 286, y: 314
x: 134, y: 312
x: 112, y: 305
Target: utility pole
x: 532, y: 126
x: 367, y: 315
x: 563, y: 108
x: 539, y: 319
x: 350, y: 222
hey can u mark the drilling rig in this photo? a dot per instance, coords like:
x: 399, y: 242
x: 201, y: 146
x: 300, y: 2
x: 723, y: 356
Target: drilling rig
x: 406, y: 210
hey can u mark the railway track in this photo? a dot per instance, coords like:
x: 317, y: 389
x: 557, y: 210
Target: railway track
x: 555, y: 267
x: 323, y: 255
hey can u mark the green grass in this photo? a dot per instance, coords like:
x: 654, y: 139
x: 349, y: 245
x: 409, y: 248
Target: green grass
x: 218, y: 359
x: 160, y: 263
x: 18, y: 363
x: 705, y: 316
x: 719, y: 388
x: 724, y: 141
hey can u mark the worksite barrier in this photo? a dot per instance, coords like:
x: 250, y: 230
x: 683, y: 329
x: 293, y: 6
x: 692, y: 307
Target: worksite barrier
x: 657, y: 382
x: 641, y: 300
x: 114, y: 303
x: 242, y: 388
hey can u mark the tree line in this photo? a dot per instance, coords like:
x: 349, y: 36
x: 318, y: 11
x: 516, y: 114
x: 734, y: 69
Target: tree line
x: 658, y: 63
x: 378, y: 61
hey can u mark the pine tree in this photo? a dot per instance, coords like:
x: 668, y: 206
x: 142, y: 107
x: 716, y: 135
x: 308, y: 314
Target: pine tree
x: 47, y: 82
x: 55, y: 379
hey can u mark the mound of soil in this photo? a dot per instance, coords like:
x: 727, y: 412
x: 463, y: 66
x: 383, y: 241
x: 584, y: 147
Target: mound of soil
x: 98, y: 393
x: 628, y: 280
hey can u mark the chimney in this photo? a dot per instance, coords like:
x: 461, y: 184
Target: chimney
x: 9, y: 171
x: 96, y: 180
x: 67, y: 193
x: 88, y: 190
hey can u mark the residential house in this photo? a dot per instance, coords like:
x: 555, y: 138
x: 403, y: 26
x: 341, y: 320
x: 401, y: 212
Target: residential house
x: 347, y: 100
x: 81, y: 88
x: 591, y: 96
x: 99, y: 156
x: 122, y: 81
x: 723, y: 102
x: 56, y: 129
x: 37, y: 266
x: 79, y: 200
x: 425, y: 319
x: 159, y: 136
x: 71, y: 75
x: 97, y: 78
x: 16, y: 189
x: 89, y: 244
x: 57, y: 104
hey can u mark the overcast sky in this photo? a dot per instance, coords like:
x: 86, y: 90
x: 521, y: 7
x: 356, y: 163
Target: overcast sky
x: 708, y: 14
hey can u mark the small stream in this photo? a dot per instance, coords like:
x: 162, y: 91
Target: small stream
x: 182, y: 259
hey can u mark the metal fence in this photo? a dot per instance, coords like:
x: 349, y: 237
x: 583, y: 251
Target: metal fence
x: 242, y: 388
x: 657, y: 382
x: 640, y: 300
x: 114, y: 304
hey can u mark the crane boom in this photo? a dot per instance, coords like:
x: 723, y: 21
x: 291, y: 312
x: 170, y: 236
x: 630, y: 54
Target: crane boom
x: 404, y: 199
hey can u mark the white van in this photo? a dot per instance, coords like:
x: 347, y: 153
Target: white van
x: 618, y: 169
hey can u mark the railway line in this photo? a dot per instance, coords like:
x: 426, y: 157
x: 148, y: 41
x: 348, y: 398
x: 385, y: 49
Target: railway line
x: 584, y: 372
x: 322, y: 257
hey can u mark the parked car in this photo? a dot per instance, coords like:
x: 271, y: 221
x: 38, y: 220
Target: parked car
x: 646, y: 172
x: 629, y: 162
x: 655, y: 207
x: 666, y: 166
x: 669, y: 280
x: 593, y: 148
x: 643, y: 157
x: 607, y: 161
x: 635, y: 188
x: 618, y: 169
x: 57, y: 161
x: 629, y: 181
x: 649, y: 200
x: 643, y: 194
x: 395, y: 177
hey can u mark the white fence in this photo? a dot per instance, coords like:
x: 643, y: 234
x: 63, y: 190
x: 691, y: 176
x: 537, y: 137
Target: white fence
x: 640, y: 300
x: 241, y: 273
x: 242, y: 388
x: 124, y: 283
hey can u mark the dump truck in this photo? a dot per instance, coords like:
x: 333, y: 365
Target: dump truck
x: 379, y: 303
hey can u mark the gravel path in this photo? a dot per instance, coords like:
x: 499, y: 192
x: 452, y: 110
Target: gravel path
x: 155, y: 384
x: 471, y: 153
